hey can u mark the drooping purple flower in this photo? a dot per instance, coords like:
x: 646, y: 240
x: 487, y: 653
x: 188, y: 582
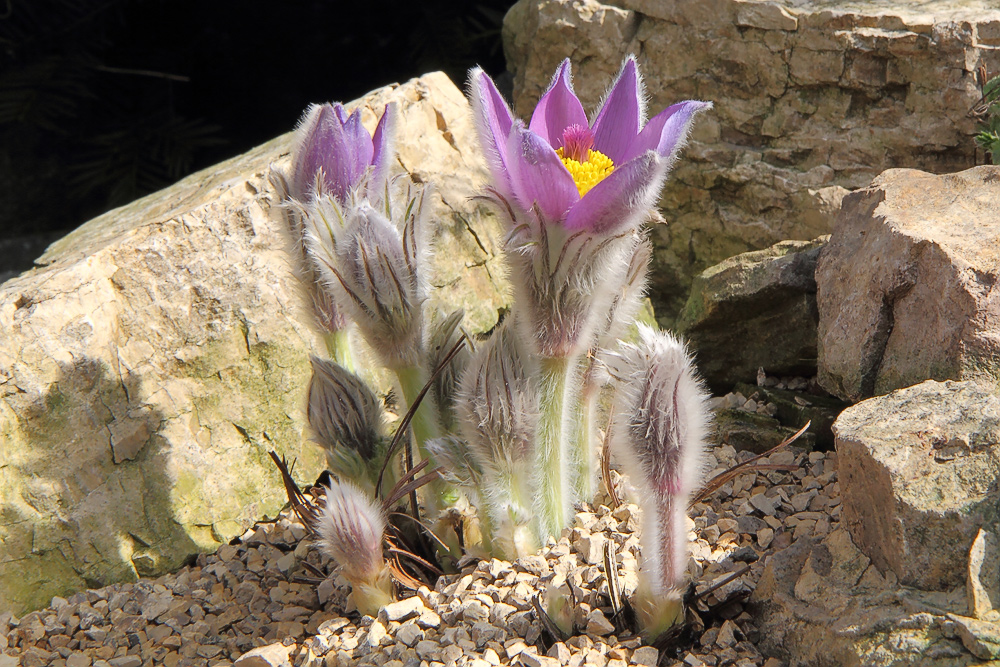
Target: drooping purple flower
x: 600, y: 176
x: 658, y: 434
x: 332, y: 152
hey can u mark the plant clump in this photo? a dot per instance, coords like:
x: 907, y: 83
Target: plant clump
x: 499, y: 436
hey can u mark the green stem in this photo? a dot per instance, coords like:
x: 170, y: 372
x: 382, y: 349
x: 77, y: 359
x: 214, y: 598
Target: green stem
x: 338, y: 346
x: 425, y: 423
x: 555, y: 406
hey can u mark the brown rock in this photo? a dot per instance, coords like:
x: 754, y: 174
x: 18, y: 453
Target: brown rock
x: 821, y: 603
x: 755, y: 310
x: 920, y: 474
x: 273, y: 655
x: 984, y: 576
x: 905, y: 283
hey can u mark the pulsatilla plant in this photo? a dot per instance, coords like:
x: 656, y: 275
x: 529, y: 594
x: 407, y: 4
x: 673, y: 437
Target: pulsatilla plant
x: 507, y: 425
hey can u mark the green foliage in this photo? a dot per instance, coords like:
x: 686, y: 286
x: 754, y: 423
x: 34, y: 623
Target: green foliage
x: 988, y: 114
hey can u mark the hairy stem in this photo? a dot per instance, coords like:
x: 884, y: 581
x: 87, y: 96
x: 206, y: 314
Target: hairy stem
x: 338, y: 346
x: 585, y: 452
x: 426, y: 425
x: 555, y: 388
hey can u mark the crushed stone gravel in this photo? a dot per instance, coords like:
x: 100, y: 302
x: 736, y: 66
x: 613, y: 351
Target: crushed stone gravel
x: 247, y: 605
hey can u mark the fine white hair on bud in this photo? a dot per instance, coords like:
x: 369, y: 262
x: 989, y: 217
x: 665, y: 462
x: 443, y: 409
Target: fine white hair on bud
x: 659, y: 431
x: 498, y: 414
x: 565, y: 283
x: 444, y: 334
x: 342, y: 410
x: 375, y: 267
x: 627, y: 301
x: 327, y: 316
x: 350, y: 530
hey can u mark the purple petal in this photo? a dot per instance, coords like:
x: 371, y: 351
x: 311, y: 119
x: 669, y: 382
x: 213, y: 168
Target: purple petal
x: 383, y: 142
x: 360, y: 148
x: 622, y: 199
x: 309, y: 150
x: 538, y: 176
x: 493, y: 123
x: 340, y: 150
x: 558, y: 109
x: 620, y: 117
x: 341, y: 112
x: 667, y: 132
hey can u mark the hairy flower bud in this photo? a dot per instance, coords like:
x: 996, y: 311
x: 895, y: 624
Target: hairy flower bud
x: 498, y: 409
x: 375, y: 268
x: 343, y: 411
x: 332, y: 152
x: 443, y: 337
x: 658, y: 434
x: 350, y: 530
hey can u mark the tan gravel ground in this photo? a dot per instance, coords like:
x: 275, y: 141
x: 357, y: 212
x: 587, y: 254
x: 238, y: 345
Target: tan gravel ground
x: 246, y: 597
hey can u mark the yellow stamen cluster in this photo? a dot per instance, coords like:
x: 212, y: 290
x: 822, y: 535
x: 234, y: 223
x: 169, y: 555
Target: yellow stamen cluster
x: 587, y: 174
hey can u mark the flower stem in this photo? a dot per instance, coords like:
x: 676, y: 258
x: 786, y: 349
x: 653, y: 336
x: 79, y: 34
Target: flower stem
x: 425, y: 423
x: 338, y: 346
x: 555, y: 406
x: 585, y: 454
x: 426, y: 426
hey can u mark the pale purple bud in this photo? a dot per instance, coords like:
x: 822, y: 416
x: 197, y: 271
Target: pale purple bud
x: 350, y: 530
x: 498, y: 415
x: 332, y: 153
x: 497, y: 403
x: 444, y: 335
x: 326, y: 315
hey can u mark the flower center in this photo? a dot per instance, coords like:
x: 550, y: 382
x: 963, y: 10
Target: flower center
x: 587, y: 166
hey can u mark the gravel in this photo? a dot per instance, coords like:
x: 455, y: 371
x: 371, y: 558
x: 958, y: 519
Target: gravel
x: 245, y: 604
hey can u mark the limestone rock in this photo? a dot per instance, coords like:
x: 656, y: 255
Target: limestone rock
x: 755, y: 310
x: 272, y: 655
x: 824, y: 604
x: 984, y: 576
x: 920, y: 475
x: 159, y: 352
x: 906, y: 283
x: 812, y: 99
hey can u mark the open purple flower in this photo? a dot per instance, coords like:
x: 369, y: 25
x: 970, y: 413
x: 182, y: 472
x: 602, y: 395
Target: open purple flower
x: 600, y: 176
x: 333, y: 150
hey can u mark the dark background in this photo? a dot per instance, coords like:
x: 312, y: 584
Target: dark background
x: 103, y: 101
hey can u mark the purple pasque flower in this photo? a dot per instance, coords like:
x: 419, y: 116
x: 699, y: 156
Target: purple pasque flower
x: 600, y: 176
x: 332, y: 152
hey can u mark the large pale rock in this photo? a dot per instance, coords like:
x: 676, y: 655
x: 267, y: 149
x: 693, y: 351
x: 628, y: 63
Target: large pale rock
x: 755, y: 310
x: 824, y: 604
x: 148, y: 367
x: 812, y: 97
x: 920, y: 476
x: 906, y: 284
